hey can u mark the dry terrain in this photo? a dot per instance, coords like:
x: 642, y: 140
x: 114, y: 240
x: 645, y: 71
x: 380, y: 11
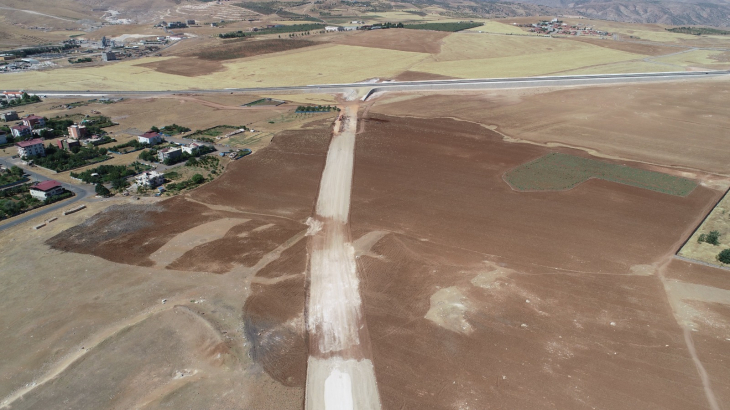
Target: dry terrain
x: 472, y: 292
x: 681, y: 125
x: 718, y: 220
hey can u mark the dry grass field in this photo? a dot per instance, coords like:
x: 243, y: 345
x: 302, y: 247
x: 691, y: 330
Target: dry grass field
x: 718, y: 220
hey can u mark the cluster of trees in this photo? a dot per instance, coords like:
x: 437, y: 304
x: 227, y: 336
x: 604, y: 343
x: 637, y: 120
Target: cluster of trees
x: 698, y: 31
x: 316, y: 108
x: 58, y: 126
x: 41, y: 49
x: 109, y: 173
x: 80, y: 60
x: 24, y: 99
x: 173, y: 129
x: 195, y: 180
x: 61, y: 160
x: 16, y: 200
x: 443, y: 26
x: 11, y: 175
x: 232, y: 34
x: 132, y: 143
x: 713, y: 238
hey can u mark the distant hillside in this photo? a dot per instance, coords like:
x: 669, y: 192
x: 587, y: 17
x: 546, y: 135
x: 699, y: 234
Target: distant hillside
x: 690, y: 12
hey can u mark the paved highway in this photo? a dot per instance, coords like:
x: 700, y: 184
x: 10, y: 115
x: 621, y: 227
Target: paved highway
x: 457, y: 84
x: 81, y: 191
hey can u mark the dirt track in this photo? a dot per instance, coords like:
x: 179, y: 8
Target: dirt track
x: 340, y: 372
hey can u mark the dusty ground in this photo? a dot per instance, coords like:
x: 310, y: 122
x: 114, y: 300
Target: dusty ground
x: 550, y: 289
x: 680, y: 125
x: 394, y: 39
x: 473, y: 293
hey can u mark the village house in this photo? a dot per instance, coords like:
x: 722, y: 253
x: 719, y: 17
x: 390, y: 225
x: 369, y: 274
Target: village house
x: 31, y: 148
x: 330, y: 29
x: 77, y: 132
x: 34, y: 121
x: 46, y: 189
x: 20, y: 131
x: 169, y: 153
x: 108, y: 56
x: 191, y: 148
x: 151, y: 138
x: 149, y: 179
x: 3, y: 137
x: 9, y: 116
x: 68, y: 143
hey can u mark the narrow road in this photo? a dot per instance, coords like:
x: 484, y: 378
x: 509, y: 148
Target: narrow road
x: 36, y: 13
x: 80, y: 192
x: 340, y: 373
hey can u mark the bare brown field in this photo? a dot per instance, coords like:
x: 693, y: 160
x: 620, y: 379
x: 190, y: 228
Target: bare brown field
x: 420, y: 76
x: 681, y: 125
x: 638, y: 48
x: 187, y: 66
x: 548, y: 287
x: 394, y: 39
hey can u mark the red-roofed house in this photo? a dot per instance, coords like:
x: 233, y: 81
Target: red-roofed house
x: 46, y: 189
x: 12, y: 95
x: 34, y: 120
x: 31, y: 148
x: 19, y: 131
x: 152, y: 138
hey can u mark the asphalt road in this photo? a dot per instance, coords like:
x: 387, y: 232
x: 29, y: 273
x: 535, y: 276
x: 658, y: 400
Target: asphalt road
x: 80, y: 191
x: 457, y: 84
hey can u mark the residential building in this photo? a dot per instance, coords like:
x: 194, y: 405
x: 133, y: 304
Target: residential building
x: 7, y: 57
x: 332, y: 28
x: 3, y: 137
x: 34, y: 121
x: 20, y: 131
x: 191, y: 22
x: 12, y: 95
x: 169, y: 153
x: 31, y: 148
x: 46, y: 189
x: 149, y: 179
x: 9, y: 116
x: 108, y: 56
x: 68, y: 143
x: 191, y: 148
x: 77, y: 132
x: 151, y: 138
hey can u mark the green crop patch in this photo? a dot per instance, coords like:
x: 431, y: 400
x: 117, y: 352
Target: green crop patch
x: 558, y: 172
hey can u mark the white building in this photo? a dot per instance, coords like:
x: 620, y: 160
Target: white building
x: 152, y: 138
x: 149, y: 179
x: 191, y: 148
x: 30, y: 148
x: 46, y: 189
x: 331, y: 28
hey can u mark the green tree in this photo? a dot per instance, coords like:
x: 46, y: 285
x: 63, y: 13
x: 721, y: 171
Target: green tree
x: 119, y: 183
x: 724, y: 256
x: 154, y: 129
x: 102, y: 190
x: 16, y: 170
x: 102, y: 151
x: 713, y: 238
x: 197, y: 179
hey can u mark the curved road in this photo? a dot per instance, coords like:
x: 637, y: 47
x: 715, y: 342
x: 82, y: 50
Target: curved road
x: 80, y: 192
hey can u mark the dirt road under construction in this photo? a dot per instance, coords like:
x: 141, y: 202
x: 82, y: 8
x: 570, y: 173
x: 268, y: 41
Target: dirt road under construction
x: 340, y: 372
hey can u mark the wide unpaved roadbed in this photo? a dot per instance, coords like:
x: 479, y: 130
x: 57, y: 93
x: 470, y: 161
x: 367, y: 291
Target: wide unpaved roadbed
x: 340, y: 372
